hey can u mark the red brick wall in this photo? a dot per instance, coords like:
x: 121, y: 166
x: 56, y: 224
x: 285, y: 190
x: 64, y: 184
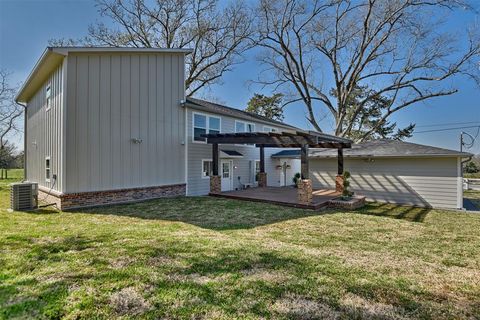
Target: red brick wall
x: 98, y: 198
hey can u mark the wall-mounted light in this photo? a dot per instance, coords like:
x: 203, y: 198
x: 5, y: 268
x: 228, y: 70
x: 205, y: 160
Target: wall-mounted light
x: 136, y: 140
x: 235, y: 167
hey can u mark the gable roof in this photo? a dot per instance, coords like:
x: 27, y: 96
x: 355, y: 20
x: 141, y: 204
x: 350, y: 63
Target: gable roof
x: 216, y: 108
x: 378, y: 148
x: 53, y: 56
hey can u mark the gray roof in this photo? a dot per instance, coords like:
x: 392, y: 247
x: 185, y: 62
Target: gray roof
x: 212, y: 107
x: 378, y: 148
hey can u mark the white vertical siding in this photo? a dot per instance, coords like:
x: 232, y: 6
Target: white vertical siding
x: 411, y: 181
x: 196, y: 185
x: 113, y: 98
x: 44, y: 132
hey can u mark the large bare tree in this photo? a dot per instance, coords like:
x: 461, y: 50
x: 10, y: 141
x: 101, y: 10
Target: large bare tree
x: 217, y: 33
x: 10, y: 111
x: 397, y: 51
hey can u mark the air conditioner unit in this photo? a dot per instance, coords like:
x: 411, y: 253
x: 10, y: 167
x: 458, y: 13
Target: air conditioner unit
x: 24, y: 196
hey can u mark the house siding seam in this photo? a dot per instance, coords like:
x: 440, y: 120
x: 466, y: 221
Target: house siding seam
x: 98, y: 198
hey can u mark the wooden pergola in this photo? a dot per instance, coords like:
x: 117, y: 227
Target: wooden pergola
x: 295, y: 139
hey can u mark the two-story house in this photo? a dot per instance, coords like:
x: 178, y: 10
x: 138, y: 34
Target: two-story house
x: 111, y: 125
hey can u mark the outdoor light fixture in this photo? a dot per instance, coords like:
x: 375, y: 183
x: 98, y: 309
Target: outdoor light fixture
x: 136, y: 140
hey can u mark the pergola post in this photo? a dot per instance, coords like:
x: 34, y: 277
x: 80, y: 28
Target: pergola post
x: 262, y: 175
x: 304, y: 191
x: 339, y: 177
x: 215, y: 179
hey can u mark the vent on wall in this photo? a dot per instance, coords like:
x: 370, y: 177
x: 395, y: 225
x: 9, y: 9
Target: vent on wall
x: 24, y: 196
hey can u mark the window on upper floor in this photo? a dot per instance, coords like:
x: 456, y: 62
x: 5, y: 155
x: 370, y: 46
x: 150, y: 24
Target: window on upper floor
x: 269, y: 129
x: 48, y: 97
x: 241, y: 126
x: 203, y: 124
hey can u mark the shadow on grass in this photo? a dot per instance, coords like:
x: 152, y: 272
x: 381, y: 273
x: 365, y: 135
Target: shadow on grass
x: 241, y: 282
x: 207, y: 212
x: 413, y: 214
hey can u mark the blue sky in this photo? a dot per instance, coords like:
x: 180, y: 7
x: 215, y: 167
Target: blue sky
x: 27, y: 25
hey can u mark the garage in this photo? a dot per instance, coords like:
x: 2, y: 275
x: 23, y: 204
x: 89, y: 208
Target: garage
x: 394, y: 172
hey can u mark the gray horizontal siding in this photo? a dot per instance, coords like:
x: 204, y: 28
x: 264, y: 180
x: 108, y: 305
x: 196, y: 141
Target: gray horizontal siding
x: 44, y: 132
x: 114, y: 98
x: 421, y: 182
x: 198, y: 151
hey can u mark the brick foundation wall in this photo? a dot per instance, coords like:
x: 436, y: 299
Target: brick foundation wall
x: 100, y: 198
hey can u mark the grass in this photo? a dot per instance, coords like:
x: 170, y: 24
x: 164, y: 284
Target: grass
x: 194, y: 258
x: 472, y: 175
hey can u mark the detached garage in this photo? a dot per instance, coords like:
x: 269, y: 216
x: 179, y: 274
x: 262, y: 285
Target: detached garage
x: 393, y: 171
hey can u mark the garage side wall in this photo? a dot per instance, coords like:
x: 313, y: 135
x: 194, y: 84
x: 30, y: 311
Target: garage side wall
x: 44, y: 132
x: 418, y: 181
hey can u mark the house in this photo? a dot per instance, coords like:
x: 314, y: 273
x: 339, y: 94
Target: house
x: 112, y: 125
x: 392, y: 171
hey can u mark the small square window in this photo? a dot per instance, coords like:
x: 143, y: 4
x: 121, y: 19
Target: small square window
x: 48, y: 97
x: 47, y: 169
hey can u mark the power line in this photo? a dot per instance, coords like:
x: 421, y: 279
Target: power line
x: 447, y: 129
x: 446, y: 124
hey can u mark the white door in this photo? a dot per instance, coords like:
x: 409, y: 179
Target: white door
x: 226, y: 171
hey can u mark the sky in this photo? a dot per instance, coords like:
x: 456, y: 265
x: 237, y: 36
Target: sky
x: 26, y: 26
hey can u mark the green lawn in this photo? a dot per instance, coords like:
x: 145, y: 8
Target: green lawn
x: 194, y: 258
x: 472, y: 175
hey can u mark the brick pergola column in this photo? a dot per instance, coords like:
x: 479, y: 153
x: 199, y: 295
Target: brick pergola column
x: 304, y: 191
x: 339, y: 177
x: 262, y: 175
x: 215, y: 179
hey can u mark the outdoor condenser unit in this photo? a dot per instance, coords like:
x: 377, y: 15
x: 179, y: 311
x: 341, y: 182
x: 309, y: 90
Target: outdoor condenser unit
x: 24, y: 196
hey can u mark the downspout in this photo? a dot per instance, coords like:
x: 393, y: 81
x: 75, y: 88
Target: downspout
x: 24, y: 140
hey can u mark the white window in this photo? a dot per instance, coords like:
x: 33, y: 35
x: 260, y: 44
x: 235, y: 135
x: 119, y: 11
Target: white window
x: 203, y: 124
x: 48, y: 97
x: 269, y: 129
x: 47, y: 169
x: 241, y: 126
x: 207, y: 166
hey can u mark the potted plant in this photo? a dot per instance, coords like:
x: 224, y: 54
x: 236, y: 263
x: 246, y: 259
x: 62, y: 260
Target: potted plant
x: 346, y: 194
x: 295, y: 179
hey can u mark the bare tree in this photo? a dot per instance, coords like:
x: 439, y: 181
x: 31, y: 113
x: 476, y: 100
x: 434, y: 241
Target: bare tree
x: 398, y: 49
x: 10, y: 111
x: 217, y: 35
